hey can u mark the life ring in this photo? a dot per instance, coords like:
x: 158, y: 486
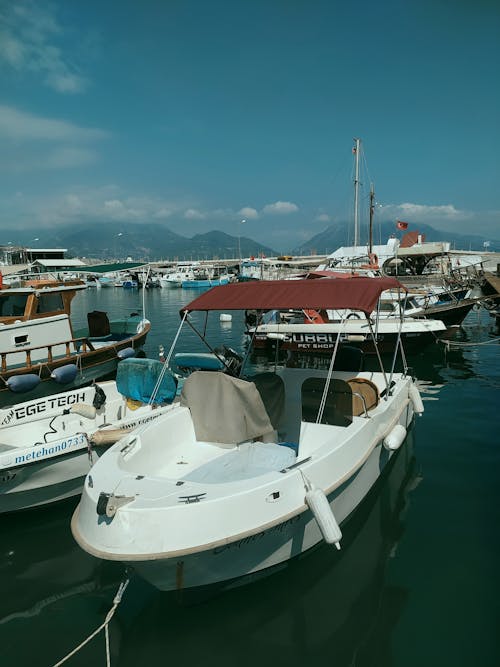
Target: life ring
x: 373, y: 260
x: 353, y: 316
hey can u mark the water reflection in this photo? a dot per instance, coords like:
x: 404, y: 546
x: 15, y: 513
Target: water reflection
x: 326, y: 603
x: 53, y: 593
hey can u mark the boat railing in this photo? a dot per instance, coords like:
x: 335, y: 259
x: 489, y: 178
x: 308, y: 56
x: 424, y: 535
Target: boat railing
x: 71, y: 347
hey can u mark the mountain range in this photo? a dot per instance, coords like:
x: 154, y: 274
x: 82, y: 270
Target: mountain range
x: 154, y: 242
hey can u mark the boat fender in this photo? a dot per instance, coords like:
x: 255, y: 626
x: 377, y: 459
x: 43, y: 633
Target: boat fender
x: 126, y: 353
x: 84, y: 410
x: 64, y: 374
x: 107, y: 437
x: 320, y: 507
x: 416, y: 399
x: 21, y: 383
x: 395, y: 438
x: 142, y: 325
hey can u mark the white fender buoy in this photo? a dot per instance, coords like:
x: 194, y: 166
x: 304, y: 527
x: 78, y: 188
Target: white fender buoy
x: 416, y: 399
x: 395, y: 438
x: 84, y: 410
x: 320, y: 507
x: 225, y: 317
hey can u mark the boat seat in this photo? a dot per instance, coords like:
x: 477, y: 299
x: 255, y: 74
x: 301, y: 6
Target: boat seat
x: 338, y: 406
x: 98, y: 324
x: 365, y: 395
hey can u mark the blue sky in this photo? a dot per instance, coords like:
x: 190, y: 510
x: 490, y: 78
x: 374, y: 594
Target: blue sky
x: 200, y: 114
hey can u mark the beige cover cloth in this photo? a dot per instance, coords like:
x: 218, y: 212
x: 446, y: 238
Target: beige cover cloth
x: 224, y: 409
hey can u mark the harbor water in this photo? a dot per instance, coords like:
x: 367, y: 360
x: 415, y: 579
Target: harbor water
x: 415, y: 583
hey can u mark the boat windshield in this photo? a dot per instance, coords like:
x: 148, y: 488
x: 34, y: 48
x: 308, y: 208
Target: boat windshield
x: 12, y: 305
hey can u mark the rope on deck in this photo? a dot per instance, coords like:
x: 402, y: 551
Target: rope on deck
x: 104, y: 626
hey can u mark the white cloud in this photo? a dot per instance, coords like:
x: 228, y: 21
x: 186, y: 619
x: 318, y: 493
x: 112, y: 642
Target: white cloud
x: 90, y: 205
x: 162, y: 213
x: 248, y: 213
x: 114, y: 205
x: 16, y: 124
x: 280, y: 208
x: 323, y: 217
x: 68, y: 156
x: 38, y: 143
x: 194, y: 214
x: 28, y: 43
x: 423, y: 212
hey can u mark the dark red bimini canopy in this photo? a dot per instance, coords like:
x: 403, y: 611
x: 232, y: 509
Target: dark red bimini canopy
x: 358, y: 293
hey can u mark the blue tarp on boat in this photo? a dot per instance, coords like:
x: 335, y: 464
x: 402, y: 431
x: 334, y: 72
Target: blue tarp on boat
x: 137, y: 379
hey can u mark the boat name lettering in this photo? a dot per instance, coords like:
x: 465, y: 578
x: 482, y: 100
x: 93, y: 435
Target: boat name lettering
x: 139, y: 422
x: 258, y: 536
x: 42, y: 406
x: 314, y: 338
x: 45, y: 452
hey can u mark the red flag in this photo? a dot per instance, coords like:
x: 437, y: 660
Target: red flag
x: 401, y: 225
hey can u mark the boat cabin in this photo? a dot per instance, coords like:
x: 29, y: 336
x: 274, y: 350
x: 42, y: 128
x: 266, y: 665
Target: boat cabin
x: 33, y: 302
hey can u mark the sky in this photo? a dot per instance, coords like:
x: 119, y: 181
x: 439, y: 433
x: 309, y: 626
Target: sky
x: 201, y: 115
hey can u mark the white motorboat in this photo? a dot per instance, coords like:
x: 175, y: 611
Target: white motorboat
x: 316, y: 336
x: 177, y: 275
x: 46, y: 444
x: 248, y: 473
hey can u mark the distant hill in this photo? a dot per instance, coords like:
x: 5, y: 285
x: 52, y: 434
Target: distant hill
x: 340, y: 234
x: 145, y: 241
x: 156, y: 242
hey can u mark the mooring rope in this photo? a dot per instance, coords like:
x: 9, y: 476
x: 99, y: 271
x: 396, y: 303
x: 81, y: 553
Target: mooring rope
x: 450, y: 343
x: 116, y: 601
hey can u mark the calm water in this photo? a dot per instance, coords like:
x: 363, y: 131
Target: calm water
x: 416, y: 582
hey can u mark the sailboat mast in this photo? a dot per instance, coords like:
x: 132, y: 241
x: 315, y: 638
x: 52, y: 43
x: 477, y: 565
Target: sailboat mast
x: 372, y: 207
x: 356, y: 191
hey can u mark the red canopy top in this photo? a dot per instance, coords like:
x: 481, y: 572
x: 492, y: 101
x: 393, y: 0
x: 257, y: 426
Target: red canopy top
x: 358, y: 293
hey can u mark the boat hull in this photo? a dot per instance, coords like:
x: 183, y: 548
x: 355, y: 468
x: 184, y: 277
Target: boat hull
x: 324, y: 343
x: 204, y: 284
x: 43, y: 483
x: 265, y: 550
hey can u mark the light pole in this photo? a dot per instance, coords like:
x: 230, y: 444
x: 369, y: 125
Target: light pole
x: 239, y: 240
x: 118, y: 236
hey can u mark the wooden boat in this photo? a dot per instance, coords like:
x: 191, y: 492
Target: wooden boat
x: 40, y: 351
x: 252, y: 471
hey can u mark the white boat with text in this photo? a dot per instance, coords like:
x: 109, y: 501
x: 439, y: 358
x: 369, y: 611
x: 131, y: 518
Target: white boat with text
x: 48, y: 445
x: 250, y: 471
